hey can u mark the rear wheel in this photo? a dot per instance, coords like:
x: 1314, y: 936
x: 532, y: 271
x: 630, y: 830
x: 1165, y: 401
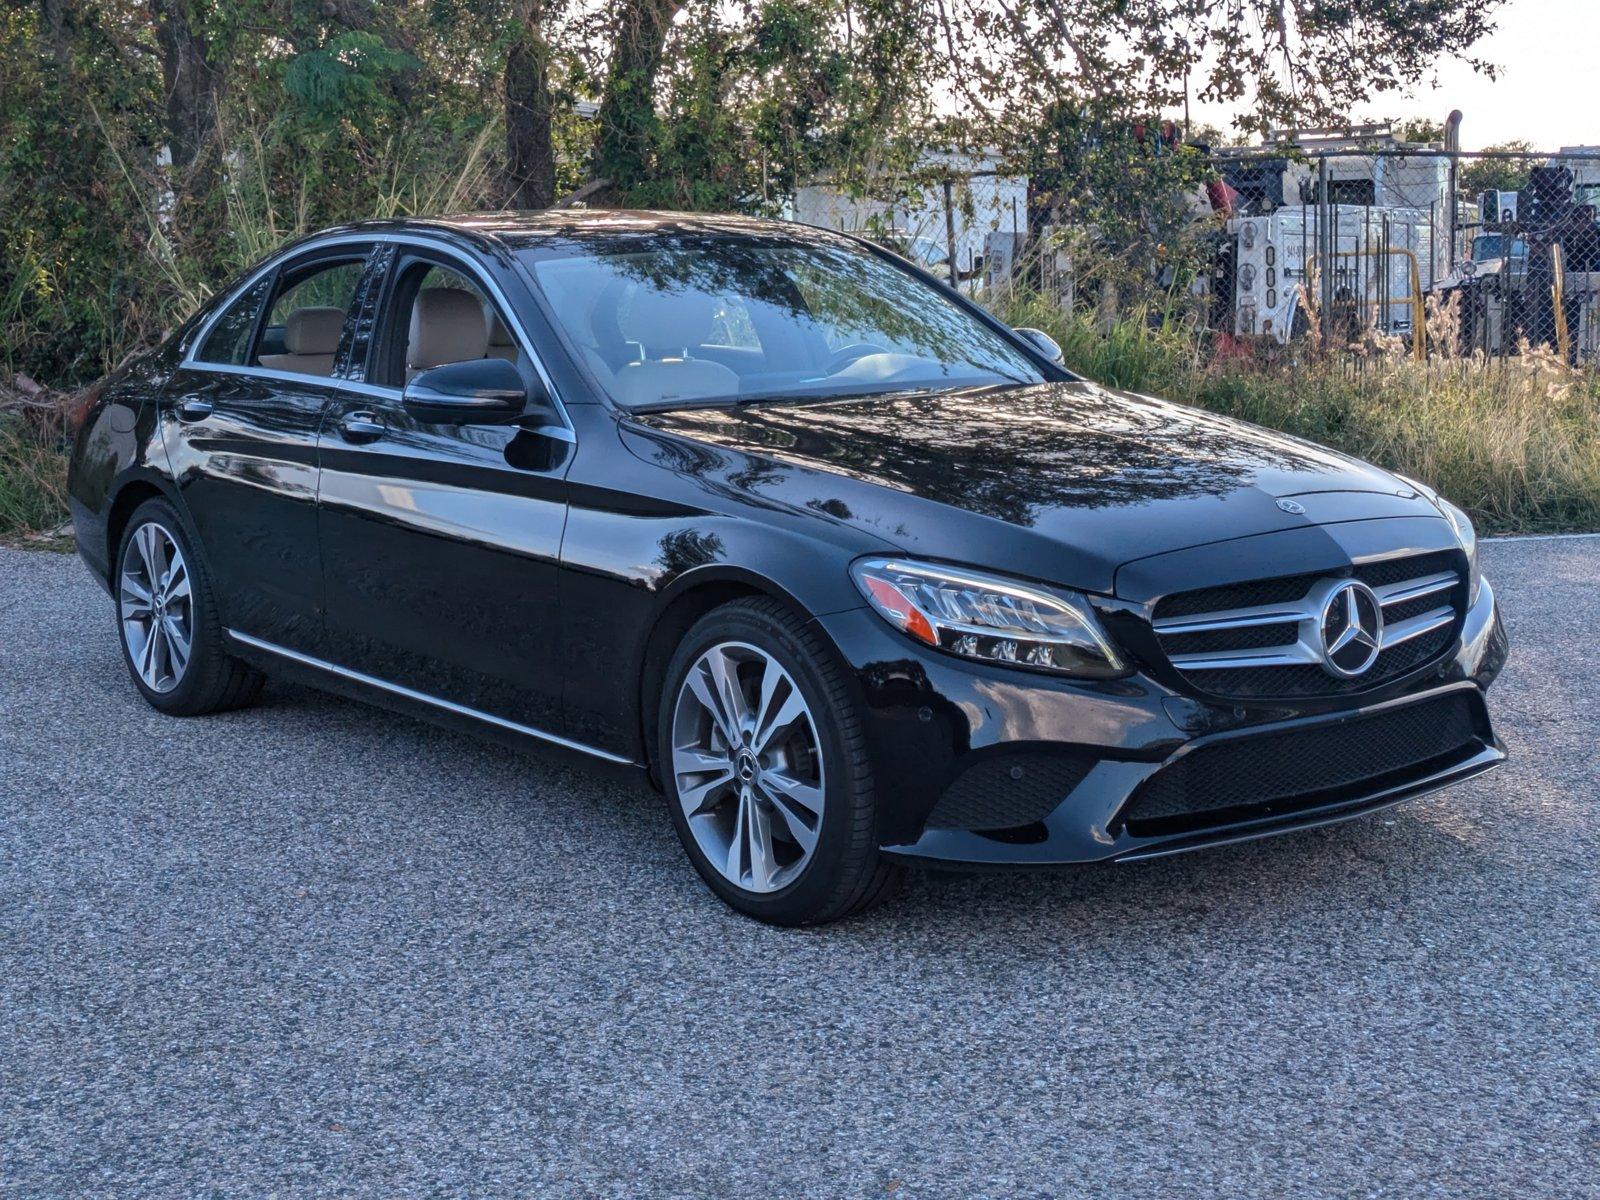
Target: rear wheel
x: 766, y: 769
x: 171, y: 633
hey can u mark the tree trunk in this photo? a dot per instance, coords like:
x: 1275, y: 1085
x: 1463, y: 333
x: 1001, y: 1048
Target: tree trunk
x: 53, y: 31
x: 627, y: 107
x: 193, y: 100
x: 530, y: 150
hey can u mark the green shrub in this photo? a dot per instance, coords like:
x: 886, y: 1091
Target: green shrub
x: 33, y: 476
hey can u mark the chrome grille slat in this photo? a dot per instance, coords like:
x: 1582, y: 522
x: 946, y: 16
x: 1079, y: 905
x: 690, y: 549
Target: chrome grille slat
x: 1404, y: 631
x: 1414, y: 589
x: 1239, y: 618
x: 1266, y: 656
x: 1273, y: 614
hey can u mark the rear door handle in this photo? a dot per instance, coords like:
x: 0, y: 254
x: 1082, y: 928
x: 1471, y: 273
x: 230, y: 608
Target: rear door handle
x: 361, y: 427
x: 194, y: 409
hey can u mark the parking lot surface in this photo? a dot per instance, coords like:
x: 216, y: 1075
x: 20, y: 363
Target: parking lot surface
x: 315, y: 949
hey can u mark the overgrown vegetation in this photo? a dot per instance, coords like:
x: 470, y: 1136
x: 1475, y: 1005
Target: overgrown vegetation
x: 33, y: 475
x: 149, y: 149
x: 1515, y: 441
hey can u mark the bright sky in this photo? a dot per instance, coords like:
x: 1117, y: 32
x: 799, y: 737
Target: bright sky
x: 1548, y: 52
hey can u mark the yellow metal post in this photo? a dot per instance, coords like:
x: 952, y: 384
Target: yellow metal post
x: 1419, y: 341
x: 1558, y: 297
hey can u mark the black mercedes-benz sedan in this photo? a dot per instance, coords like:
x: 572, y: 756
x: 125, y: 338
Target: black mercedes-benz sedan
x: 858, y: 575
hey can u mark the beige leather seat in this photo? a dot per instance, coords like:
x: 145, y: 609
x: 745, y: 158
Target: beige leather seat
x: 668, y: 325
x: 310, y: 336
x: 501, y: 343
x: 447, y: 326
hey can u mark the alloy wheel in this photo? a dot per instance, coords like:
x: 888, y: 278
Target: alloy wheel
x: 156, y: 605
x: 748, y: 766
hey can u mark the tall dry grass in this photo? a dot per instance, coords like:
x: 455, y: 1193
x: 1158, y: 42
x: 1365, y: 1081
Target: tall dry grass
x: 33, y: 475
x: 266, y: 209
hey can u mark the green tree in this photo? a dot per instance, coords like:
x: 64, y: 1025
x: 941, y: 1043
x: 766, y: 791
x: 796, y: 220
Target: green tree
x: 1507, y: 174
x: 150, y: 148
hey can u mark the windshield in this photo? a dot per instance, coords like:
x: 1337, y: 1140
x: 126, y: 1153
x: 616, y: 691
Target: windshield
x: 1488, y: 246
x: 689, y: 318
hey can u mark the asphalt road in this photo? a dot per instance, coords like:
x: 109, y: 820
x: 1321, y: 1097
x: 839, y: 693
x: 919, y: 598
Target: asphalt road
x: 315, y: 949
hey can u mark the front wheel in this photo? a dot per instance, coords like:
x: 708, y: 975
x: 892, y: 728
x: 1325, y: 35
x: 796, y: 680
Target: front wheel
x: 765, y: 765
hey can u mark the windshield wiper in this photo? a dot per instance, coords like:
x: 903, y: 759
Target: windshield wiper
x: 656, y: 406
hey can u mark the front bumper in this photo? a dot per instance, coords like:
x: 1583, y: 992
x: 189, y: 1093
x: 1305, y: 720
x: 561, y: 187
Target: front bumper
x: 934, y: 720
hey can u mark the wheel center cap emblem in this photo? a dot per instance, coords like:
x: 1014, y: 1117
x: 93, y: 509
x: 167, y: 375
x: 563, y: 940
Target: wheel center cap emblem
x: 1352, y: 629
x: 747, y: 766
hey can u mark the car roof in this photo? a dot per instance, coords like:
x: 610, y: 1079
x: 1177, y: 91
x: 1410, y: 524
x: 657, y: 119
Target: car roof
x: 516, y: 229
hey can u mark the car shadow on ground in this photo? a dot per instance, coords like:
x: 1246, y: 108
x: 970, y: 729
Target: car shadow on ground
x: 1340, y: 872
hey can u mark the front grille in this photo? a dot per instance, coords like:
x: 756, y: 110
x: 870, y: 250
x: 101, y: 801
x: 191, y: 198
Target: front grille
x: 1299, y: 682
x: 1263, y: 638
x: 1268, y: 774
x: 1010, y: 790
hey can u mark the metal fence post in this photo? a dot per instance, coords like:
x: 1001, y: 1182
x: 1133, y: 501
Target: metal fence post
x: 950, y: 231
x: 1325, y: 243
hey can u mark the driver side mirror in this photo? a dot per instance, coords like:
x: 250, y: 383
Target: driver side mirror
x: 1043, y: 343
x: 481, y: 391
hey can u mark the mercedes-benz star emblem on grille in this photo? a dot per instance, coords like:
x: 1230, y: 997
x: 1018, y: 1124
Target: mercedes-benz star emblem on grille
x: 1293, y: 507
x: 1352, y: 629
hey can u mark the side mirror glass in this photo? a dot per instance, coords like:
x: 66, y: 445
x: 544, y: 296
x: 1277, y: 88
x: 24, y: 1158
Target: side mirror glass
x: 482, y: 391
x: 1043, y: 343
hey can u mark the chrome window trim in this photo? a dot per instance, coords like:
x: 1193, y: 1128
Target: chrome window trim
x: 425, y: 698
x: 422, y: 241
x: 198, y: 337
x: 327, y: 381
x: 561, y: 433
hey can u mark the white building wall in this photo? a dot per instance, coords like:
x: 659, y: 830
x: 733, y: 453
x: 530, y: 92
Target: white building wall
x: 984, y: 204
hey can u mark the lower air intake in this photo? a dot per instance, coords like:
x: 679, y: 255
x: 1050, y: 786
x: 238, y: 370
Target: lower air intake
x: 1252, y: 777
x: 1010, y: 790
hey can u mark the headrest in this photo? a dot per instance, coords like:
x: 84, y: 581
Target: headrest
x: 446, y: 326
x: 675, y: 379
x: 669, y: 320
x: 499, y: 335
x: 313, y: 330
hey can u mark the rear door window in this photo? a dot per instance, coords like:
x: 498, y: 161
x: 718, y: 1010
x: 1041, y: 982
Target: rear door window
x: 307, y: 317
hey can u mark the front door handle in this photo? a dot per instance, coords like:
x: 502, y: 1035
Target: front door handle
x: 361, y: 427
x: 194, y: 409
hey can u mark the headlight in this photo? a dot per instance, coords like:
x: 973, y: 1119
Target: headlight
x: 1468, y: 537
x: 988, y: 618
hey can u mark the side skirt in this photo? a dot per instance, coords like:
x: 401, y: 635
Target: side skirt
x: 363, y: 686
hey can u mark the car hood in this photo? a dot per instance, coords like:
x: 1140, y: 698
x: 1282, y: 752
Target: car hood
x: 1059, y: 481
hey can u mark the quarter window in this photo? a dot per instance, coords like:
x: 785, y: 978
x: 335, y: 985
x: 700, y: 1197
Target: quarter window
x: 228, y: 343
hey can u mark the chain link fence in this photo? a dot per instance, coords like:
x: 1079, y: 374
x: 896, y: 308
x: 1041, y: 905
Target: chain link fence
x: 1456, y: 254
x: 1437, y: 254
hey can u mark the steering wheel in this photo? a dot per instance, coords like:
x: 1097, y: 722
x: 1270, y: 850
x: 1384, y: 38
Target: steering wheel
x: 846, y: 355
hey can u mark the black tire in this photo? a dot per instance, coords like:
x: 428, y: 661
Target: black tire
x: 846, y: 874
x: 213, y: 680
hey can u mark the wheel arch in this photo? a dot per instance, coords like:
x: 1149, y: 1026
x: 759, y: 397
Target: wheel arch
x: 690, y: 597
x: 125, y: 501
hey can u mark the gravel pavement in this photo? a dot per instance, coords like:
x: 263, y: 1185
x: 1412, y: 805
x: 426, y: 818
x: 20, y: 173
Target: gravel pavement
x: 315, y: 949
